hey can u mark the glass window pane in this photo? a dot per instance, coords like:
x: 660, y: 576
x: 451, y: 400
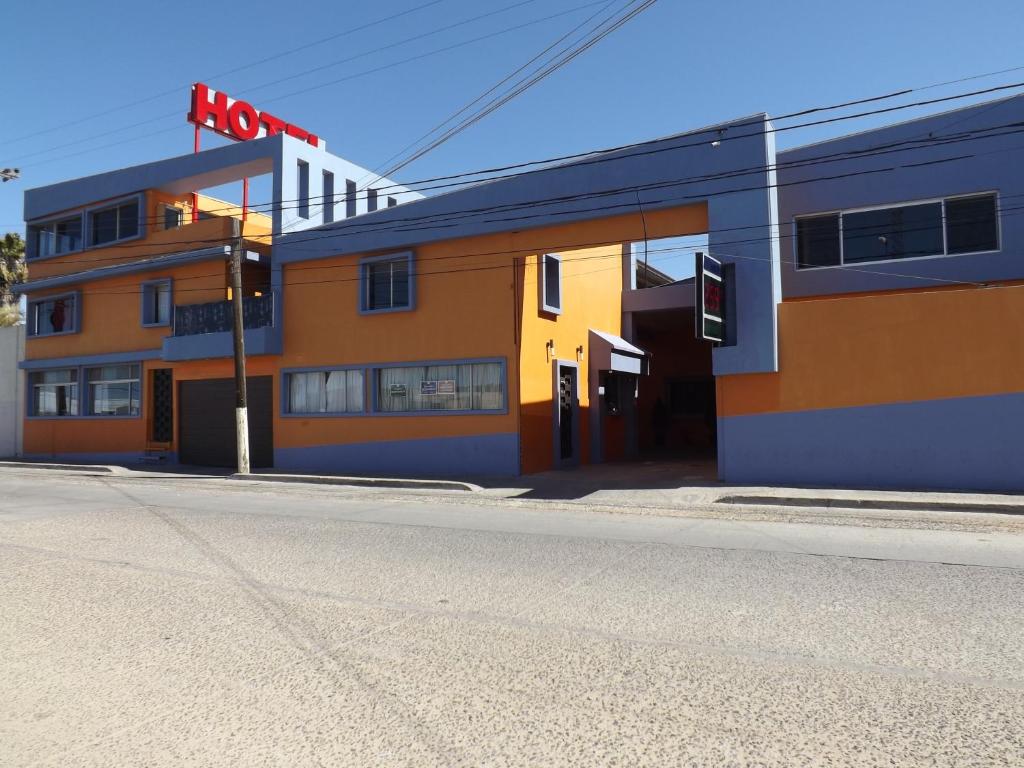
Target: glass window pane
x: 54, y: 315
x: 128, y: 220
x: 162, y: 305
x: 172, y: 217
x: 971, y: 224
x: 114, y: 399
x: 552, y: 289
x: 817, y: 241
x: 68, y: 234
x: 103, y: 226
x: 476, y: 386
x: 893, y: 233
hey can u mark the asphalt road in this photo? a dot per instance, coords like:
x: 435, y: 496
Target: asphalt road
x: 186, y: 622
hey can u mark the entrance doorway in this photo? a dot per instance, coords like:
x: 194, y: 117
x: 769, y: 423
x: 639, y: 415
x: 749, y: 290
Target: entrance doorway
x: 207, y: 431
x: 567, y: 419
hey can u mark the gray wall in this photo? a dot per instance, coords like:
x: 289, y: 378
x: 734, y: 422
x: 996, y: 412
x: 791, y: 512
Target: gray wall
x: 918, y: 170
x: 12, y: 395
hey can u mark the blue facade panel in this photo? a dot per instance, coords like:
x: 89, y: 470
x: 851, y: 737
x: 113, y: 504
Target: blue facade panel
x: 970, y: 443
x: 479, y: 455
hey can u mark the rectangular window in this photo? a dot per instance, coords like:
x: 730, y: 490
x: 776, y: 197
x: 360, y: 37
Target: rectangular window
x: 817, y: 241
x: 303, y: 189
x: 54, y: 393
x: 371, y: 200
x: 56, y: 237
x: 350, y: 198
x: 392, y: 202
x: 956, y: 225
x: 458, y: 387
x: 325, y: 392
x: 156, y: 303
x: 328, y: 198
x: 113, y: 390
x: 387, y: 284
x: 118, y: 222
x: 906, y: 232
x: 551, y: 283
x: 971, y: 224
x: 53, y: 315
x: 173, y: 217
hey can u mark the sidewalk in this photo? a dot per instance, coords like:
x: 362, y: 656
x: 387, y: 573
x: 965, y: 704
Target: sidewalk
x: 653, y: 485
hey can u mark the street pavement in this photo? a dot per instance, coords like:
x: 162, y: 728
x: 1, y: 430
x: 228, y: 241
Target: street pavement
x: 201, y: 621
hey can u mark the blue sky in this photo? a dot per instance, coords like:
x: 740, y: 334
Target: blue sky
x: 680, y: 65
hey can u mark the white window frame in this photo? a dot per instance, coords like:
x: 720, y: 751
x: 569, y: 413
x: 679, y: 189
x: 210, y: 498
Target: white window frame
x: 905, y: 204
x: 90, y: 384
x: 75, y: 382
x: 286, y: 402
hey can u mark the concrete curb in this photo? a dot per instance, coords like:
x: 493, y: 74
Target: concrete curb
x: 70, y: 467
x: 895, y: 505
x: 369, y: 482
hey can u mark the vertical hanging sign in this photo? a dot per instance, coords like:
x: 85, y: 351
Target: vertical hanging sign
x: 709, y: 299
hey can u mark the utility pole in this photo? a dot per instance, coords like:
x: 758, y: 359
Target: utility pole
x: 241, y: 406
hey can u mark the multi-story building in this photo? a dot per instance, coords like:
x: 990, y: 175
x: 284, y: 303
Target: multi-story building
x: 521, y: 324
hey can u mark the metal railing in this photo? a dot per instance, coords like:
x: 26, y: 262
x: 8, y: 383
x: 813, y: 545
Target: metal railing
x: 217, y: 316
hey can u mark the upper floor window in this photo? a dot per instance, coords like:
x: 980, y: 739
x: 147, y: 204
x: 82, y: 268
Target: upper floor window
x: 156, y: 303
x: 551, y: 283
x: 302, y: 179
x: 56, y: 237
x: 956, y: 225
x: 371, y: 200
x: 325, y: 392
x: 113, y: 390
x: 118, y: 222
x: 173, y: 216
x: 52, y: 315
x: 350, y: 198
x: 386, y: 283
x: 54, y: 393
x: 328, y: 197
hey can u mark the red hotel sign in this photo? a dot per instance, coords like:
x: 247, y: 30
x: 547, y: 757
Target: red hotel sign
x: 239, y: 120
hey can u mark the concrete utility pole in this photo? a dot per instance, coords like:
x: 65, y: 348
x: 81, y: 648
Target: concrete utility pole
x: 241, y: 406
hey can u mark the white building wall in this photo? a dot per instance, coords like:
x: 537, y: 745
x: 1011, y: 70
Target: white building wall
x: 12, y: 395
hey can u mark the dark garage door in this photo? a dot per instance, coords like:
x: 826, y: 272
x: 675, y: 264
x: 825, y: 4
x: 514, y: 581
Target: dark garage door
x: 206, y: 432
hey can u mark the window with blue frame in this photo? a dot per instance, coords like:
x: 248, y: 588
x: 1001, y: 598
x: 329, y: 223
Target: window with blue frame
x: 156, y: 303
x: 443, y: 387
x: 113, y: 390
x: 386, y: 283
x: 53, y: 315
x: 325, y: 391
x: 118, y: 222
x: 56, y: 237
x: 551, y: 283
x: 54, y: 392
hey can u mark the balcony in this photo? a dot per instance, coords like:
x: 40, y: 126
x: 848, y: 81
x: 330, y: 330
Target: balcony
x: 204, y: 331
x: 219, y: 316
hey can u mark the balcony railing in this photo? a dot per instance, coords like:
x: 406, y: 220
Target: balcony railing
x: 218, y: 316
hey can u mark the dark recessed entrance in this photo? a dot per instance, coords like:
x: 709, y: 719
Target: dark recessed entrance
x: 206, y: 430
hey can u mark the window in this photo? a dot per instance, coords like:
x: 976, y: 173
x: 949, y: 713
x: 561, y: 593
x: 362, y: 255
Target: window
x: 52, y: 315
x: 303, y: 189
x: 456, y: 387
x: 116, y: 223
x: 156, y: 303
x: 386, y: 284
x: 392, y: 202
x: 892, y: 233
x: 971, y: 224
x: 956, y: 225
x: 551, y: 283
x: 371, y: 200
x: 54, y: 393
x: 325, y: 392
x: 56, y: 237
x: 328, y: 198
x: 113, y: 390
x: 817, y: 239
x: 350, y: 198
x: 173, y: 217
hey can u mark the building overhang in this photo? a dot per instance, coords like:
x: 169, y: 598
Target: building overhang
x: 609, y: 352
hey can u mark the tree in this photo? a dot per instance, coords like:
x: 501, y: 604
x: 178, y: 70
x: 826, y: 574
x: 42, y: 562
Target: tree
x: 12, y: 270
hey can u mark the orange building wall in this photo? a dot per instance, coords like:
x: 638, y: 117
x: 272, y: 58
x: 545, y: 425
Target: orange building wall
x: 887, y: 348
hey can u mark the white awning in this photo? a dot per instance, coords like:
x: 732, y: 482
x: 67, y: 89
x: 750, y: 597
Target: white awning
x: 609, y: 352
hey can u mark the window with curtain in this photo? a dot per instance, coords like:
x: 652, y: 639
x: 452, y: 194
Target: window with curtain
x: 113, y: 390
x: 52, y: 315
x: 325, y: 392
x: 55, y: 393
x: 459, y: 387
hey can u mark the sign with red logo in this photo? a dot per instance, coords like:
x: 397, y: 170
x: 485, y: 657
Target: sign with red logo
x: 240, y: 120
x: 709, y: 299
